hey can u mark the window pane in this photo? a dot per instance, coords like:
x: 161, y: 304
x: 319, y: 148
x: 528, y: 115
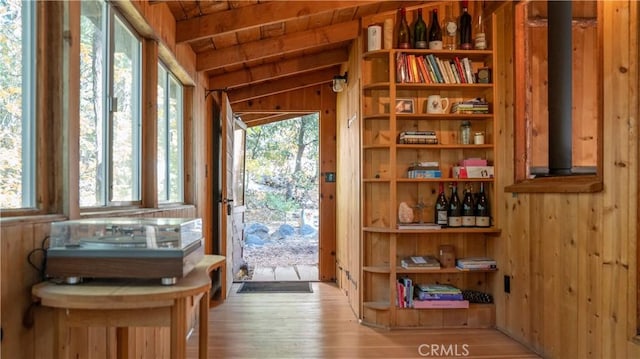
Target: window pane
x: 175, y: 140
x: 92, y: 112
x: 125, y: 146
x: 163, y: 194
x: 17, y: 130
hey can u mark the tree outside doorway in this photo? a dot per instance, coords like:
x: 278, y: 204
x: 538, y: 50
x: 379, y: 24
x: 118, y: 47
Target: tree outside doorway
x: 282, y: 195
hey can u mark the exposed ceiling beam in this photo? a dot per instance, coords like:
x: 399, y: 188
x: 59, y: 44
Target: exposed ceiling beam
x: 303, y: 100
x: 283, y: 85
x: 279, y: 69
x: 265, y: 119
x: 277, y: 46
x: 248, y: 17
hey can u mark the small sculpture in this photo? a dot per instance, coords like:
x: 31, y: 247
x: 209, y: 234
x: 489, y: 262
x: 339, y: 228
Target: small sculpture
x: 405, y: 213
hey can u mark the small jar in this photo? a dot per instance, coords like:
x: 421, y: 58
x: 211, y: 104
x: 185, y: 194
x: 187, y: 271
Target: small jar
x: 478, y: 138
x: 465, y: 133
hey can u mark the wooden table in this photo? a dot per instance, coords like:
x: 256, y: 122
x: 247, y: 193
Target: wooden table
x: 125, y: 303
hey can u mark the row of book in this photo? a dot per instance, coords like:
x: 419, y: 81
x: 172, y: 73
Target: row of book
x: 429, y: 68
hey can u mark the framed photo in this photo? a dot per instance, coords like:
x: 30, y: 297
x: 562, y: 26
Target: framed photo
x: 405, y: 105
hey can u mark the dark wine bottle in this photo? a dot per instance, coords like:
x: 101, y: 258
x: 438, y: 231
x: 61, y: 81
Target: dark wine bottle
x: 465, y: 27
x: 435, y: 32
x: 404, y: 37
x: 455, y: 208
x: 420, y: 32
x: 442, y: 206
x: 468, y: 209
x: 483, y: 216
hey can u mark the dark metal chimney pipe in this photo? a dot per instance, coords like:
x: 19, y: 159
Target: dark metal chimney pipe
x: 560, y: 86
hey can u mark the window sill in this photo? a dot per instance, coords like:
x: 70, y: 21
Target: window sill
x: 574, y: 184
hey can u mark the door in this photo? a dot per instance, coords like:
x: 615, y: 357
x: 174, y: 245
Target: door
x: 232, y: 190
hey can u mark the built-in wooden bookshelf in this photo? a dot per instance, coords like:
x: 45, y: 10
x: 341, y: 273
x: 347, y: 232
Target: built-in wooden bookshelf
x: 385, y: 185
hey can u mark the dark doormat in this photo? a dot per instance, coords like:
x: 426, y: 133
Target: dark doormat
x: 276, y: 287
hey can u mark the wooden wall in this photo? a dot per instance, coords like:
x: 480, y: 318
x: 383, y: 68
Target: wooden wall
x: 348, y: 181
x: 571, y: 258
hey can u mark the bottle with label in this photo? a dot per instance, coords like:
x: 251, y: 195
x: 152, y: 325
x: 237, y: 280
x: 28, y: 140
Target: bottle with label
x: 465, y: 27
x: 480, y: 39
x: 483, y: 217
x: 468, y: 209
x: 420, y: 32
x: 455, y: 208
x: 442, y: 206
x: 404, y: 36
x: 435, y: 33
x: 450, y: 30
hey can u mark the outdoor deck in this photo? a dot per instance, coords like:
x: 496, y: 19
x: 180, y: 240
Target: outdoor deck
x: 294, y: 272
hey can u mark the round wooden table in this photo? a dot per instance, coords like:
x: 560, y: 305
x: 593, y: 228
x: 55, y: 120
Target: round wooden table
x: 128, y: 303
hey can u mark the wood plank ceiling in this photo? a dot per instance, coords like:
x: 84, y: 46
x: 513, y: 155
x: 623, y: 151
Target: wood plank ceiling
x: 255, y: 49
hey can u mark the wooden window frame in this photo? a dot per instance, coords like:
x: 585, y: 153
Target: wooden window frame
x: 558, y: 184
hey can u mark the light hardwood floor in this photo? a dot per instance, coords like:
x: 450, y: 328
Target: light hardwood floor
x: 322, y: 325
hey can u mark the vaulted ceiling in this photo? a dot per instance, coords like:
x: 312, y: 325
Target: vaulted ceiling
x: 256, y: 49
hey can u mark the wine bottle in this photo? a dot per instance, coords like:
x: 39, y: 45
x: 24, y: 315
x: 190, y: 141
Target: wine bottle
x: 420, y: 32
x: 465, y: 27
x: 404, y: 37
x: 455, y: 208
x: 435, y: 33
x: 450, y: 30
x: 483, y: 216
x: 441, y: 207
x: 468, y: 209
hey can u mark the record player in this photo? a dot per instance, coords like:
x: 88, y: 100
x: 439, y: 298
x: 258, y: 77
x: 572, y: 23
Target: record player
x: 143, y: 248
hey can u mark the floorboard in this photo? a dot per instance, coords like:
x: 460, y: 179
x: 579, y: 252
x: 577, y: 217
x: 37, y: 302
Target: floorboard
x: 322, y: 325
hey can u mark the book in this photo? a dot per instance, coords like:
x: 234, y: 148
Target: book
x: 424, y: 174
x: 475, y: 260
x: 444, y: 304
x: 425, y: 262
x: 438, y: 296
x: 419, y: 226
x: 476, y: 263
x: 438, y: 288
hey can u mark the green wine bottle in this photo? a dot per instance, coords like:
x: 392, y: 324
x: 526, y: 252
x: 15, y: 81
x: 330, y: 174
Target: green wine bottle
x: 420, y: 32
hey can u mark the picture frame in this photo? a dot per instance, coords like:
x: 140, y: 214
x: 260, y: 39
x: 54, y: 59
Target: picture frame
x: 405, y: 105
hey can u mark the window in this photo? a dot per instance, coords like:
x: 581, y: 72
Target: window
x: 534, y: 101
x: 110, y: 66
x: 17, y: 102
x: 170, y: 164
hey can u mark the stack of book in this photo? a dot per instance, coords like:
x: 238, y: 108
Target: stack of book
x: 474, y: 106
x: 421, y: 262
x: 439, y: 296
x: 404, y: 289
x: 424, y: 170
x: 418, y: 137
x: 476, y: 263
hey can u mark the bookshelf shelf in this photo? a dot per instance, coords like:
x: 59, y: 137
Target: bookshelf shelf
x: 377, y: 269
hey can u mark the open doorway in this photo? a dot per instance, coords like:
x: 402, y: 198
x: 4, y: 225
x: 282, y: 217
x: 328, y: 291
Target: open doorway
x: 280, y: 240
